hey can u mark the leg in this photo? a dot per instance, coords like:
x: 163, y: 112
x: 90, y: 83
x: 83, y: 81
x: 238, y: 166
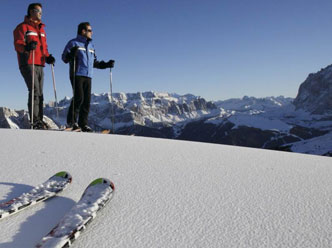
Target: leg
x: 76, y: 101
x: 39, y: 98
x: 26, y: 72
x: 85, y: 107
x: 41, y: 93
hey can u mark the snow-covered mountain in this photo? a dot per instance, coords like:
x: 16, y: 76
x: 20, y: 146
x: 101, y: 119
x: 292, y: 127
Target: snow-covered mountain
x: 14, y: 119
x: 278, y: 123
x: 271, y: 122
x: 148, y: 109
x: 255, y: 105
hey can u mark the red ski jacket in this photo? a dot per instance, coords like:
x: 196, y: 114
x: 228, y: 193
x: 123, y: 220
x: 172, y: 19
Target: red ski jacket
x: 26, y: 32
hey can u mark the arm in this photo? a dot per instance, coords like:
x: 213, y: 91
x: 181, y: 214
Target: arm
x: 19, y: 40
x: 44, y: 42
x: 66, y: 52
x: 49, y: 59
x: 102, y: 64
x: 96, y: 63
x: 99, y: 64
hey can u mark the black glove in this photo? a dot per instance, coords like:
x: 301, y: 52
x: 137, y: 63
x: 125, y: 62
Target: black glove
x: 110, y: 64
x: 31, y: 46
x: 101, y: 65
x: 72, y: 54
x: 50, y: 60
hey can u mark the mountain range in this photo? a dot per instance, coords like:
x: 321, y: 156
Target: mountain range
x: 303, y: 124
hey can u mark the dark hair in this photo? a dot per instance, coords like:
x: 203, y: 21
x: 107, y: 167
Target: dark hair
x: 81, y: 26
x: 32, y: 6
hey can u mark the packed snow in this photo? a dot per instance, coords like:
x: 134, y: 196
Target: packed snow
x: 169, y: 193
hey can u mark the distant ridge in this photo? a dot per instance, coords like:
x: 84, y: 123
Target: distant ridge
x: 270, y: 122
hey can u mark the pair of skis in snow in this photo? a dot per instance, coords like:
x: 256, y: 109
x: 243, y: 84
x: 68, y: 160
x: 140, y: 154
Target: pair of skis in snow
x: 94, y: 198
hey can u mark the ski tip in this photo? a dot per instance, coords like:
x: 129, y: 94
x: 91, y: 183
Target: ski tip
x: 103, y: 181
x: 112, y: 185
x: 64, y: 174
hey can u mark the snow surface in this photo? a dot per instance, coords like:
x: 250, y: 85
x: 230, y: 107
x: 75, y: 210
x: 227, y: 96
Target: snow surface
x: 169, y: 193
x: 42, y: 191
x: 318, y: 145
x: 93, y: 200
x: 258, y: 121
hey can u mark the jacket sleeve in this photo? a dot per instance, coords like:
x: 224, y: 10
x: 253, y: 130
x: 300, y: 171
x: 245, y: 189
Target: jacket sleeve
x: 66, y: 52
x: 47, y: 54
x: 19, y: 39
x: 96, y: 63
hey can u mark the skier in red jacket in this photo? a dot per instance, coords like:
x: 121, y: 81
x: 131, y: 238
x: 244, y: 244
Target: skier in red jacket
x: 31, y: 47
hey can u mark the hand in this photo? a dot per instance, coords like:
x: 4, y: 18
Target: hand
x: 73, y: 51
x: 72, y: 54
x: 50, y: 60
x: 110, y: 64
x: 31, y: 46
x: 101, y: 65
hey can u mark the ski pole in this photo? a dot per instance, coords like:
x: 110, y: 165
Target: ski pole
x: 112, y: 106
x: 32, y: 87
x: 74, y: 78
x: 54, y: 87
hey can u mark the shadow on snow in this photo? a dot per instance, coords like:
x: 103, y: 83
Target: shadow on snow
x: 35, y: 227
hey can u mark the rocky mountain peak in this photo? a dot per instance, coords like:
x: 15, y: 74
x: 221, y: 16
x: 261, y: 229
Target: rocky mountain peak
x: 315, y: 93
x: 152, y: 109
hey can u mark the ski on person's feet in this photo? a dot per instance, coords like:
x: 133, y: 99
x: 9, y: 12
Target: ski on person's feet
x: 94, y: 198
x: 106, y: 131
x: 70, y: 129
x: 42, y: 192
x: 73, y: 127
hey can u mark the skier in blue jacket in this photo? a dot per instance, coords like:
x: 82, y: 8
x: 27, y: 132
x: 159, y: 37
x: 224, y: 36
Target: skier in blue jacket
x: 80, y: 53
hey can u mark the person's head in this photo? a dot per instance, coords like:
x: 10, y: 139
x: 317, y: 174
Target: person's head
x: 35, y: 11
x: 85, y: 30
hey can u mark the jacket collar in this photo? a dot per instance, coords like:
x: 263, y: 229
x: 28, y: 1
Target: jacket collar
x: 83, y: 39
x: 32, y: 23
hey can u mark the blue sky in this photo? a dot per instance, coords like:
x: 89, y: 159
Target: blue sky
x: 214, y: 49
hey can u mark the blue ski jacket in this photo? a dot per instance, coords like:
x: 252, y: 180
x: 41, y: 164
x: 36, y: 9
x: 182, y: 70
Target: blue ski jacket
x: 85, y: 56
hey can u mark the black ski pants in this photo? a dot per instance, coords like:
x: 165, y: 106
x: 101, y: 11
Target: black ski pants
x: 80, y: 104
x: 38, y: 100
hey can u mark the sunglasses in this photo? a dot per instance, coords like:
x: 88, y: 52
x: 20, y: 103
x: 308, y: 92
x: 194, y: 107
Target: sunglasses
x: 89, y: 30
x: 37, y: 11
